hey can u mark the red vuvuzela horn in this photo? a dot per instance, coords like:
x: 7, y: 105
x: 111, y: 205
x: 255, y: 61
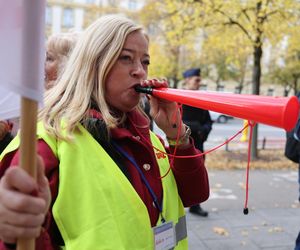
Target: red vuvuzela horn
x: 280, y: 112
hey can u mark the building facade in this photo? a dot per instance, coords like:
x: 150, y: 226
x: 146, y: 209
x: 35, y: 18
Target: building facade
x: 64, y: 15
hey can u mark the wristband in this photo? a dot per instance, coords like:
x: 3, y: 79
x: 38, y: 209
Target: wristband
x: 183, y: 139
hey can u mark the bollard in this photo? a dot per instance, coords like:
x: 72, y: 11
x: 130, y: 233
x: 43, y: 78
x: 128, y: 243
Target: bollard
x: 264, y: 143
x: 227, y: 145
x: 244, y: 137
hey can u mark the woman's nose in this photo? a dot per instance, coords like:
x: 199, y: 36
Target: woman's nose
x: 139, y: 71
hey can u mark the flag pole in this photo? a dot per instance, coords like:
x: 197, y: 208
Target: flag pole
x: 28, y: 155
x: 32, y: 78
x: 28, y: 135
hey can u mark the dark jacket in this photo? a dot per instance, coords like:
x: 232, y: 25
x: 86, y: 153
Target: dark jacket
x: 292, y: 145
x: 200, y: 123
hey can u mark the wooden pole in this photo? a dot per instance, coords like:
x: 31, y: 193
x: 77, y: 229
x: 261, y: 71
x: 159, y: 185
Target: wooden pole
x: 28, y: 154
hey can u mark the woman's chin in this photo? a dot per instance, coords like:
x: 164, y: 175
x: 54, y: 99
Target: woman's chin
x: 133, y: 105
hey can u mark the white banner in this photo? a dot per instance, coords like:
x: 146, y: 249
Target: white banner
x: 22, y: 53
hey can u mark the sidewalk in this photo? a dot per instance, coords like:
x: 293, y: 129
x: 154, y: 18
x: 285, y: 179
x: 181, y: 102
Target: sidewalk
x: 273, y: 221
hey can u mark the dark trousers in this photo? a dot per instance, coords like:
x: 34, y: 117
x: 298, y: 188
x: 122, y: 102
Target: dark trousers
x: 297, y: 247
x: 299, y: 180
x: 199, y: 145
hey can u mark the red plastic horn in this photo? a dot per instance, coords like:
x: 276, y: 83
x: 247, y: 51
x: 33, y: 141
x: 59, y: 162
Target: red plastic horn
x: 280, y: 112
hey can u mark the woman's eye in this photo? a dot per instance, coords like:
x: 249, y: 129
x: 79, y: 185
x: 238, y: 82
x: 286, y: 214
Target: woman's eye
x: 126, y: 58
x: 146, y: 62
x: 49, y: 59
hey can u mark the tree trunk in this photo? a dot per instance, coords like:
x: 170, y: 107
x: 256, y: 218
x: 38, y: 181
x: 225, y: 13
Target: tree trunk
x: 257, y: 55
x: 176, y: 53
x: 295, y: 84
x: 218, y: 82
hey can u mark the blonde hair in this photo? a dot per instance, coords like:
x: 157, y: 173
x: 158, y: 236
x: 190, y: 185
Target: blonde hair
x: 82, y: 82
x: 61, y: 45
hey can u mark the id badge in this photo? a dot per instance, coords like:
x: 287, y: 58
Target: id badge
x: 164, y: 236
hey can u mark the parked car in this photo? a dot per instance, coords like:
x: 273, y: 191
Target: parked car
x: 219, y: 117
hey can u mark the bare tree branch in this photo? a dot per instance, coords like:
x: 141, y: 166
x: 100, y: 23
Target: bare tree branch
x: 244, y: 11
x: 234, y: 22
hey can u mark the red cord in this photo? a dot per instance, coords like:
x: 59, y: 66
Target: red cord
x: 172, y: 156
x: 252, y: 124
x: 197, y: 155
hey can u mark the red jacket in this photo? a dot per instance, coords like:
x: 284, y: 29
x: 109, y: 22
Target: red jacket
x: 190, y: 174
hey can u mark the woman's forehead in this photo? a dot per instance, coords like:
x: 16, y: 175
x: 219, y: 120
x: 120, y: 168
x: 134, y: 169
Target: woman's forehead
x: 136, y: 42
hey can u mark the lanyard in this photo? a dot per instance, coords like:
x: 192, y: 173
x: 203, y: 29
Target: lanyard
x: 155, y: 200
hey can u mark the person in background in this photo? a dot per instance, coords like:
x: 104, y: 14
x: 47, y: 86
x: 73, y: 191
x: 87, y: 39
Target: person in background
x: 58, y: 49
x: 292, y: 152
x: 5, y: 134
x: 292, y: 146
x: 104, y: 180
x: 297, y: 246
x: 198, y: 120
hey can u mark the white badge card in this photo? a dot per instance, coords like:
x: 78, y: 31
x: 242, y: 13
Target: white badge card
x: 164, y: 236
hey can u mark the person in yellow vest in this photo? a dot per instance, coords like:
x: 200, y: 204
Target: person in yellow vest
x: 104, y: 180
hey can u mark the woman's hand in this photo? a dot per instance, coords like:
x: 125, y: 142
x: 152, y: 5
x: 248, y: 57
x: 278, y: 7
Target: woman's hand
x: 24, y: 203
x: 165, y: 113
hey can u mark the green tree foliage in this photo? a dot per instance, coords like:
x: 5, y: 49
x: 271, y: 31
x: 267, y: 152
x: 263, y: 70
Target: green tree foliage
x: 172, y: 27
x: 223, y: 52
x: 287, y: 72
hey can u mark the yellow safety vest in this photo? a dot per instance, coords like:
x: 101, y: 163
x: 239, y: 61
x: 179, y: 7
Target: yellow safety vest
x: 97, y: 207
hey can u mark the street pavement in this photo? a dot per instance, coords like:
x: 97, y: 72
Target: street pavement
x: 273, y: 221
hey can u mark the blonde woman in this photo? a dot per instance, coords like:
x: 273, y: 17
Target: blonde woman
x: 109, y: 188
x: 58, y: 49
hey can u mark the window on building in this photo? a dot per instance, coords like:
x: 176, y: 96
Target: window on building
x: 68, y: 18
x: 112, y: 3
x: 132, y: 4
x: 48, y: 15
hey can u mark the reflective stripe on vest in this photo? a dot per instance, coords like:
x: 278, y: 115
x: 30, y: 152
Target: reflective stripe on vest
x: 180, y: 229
